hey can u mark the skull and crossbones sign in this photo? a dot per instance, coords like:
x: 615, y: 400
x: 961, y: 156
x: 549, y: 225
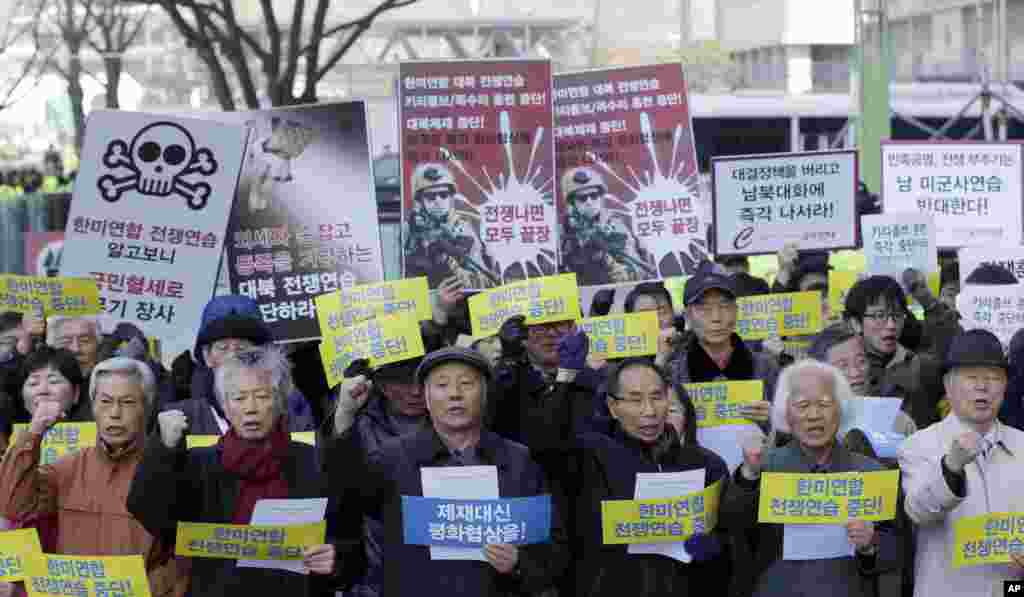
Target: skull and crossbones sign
x: 160, y: 158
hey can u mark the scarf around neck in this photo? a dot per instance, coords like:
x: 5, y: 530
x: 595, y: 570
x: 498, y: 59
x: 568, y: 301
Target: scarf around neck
x: 258, y: 467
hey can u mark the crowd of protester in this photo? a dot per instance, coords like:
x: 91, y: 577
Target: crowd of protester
x: 534, y: 403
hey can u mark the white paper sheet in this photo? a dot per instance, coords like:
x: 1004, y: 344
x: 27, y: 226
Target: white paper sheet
x: 815, y: 542
x: 459, y: 483
x: 727, y: 441
x: 666, y: 485
x: 285, y: 512
x: 876, y: 417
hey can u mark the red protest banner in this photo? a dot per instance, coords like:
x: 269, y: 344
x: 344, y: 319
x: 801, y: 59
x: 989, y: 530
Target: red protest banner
x: 477, y: 171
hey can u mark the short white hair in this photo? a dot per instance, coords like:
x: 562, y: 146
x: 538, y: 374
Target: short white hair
x: 786, y: 387
x: 263, y: 359
x: 129, y: 368
x: 55, y: 324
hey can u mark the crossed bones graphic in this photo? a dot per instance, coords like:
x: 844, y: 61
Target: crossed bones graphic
x: 160, y: 157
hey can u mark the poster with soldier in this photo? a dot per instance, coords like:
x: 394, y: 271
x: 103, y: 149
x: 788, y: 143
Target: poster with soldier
x: 478, y: 171
x: 305, y: 222
x: 629, y: 200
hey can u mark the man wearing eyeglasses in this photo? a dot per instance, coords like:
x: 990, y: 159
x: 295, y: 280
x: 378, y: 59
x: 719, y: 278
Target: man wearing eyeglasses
x: 876, y: 308
x: 598, y: 245
x: 715, y: 352
x: 440, y: 240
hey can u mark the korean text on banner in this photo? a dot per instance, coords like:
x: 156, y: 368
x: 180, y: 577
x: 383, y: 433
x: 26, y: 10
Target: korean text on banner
x: 253, y: 542
x: 543, y: 300
x: 149, y: 215
x: 670, y: 520
x: 998, y: 308
x: 1009, y: 258
x: 93, y: 576
x: 62, y: 439
x: 718, y: 402
x: 381, y: 340
x: 305, y: 221
x: 622, y: 335
x: 972, y: 189
x: 475, y: 523
x: 477, y: 171
x: 14, y: 547
x: 832, y: 498
x: 68, y: 297
x: 340, y: 309
x: 792, y: 314
x: 629, y: 195
x: 988, y: 539
x: 761, y: 203
x: 895, y: 242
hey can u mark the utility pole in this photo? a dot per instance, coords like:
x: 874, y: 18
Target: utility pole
x: 875, y: 124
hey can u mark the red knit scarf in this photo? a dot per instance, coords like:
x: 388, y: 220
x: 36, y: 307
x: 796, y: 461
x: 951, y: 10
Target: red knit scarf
x: 258, y: 465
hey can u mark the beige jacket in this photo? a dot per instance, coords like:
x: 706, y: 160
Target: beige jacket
x: 995, y: 484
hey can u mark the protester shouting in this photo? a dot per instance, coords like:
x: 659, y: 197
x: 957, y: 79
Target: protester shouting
x: 88, y: 488
x: 454, y: 383
x: 969, y: 464
x: 809, y: 406
x: 254, y: 460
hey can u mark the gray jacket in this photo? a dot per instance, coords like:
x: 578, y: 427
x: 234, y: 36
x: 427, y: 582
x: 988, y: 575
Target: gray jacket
x: 774, y: 577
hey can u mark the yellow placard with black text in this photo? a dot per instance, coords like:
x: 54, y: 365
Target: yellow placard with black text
x: 987, y: 539
x: 94, y: 576
x: 622, y: 335
x: 763, y: 316
x: 718, y: 402
x: 68, y: 297
x: 664, y: 520
x: 14, y: 547
x: 341, y: 308
x: 250, y: 542
x: 382, y: 340
x: 829, y: 498
x: 61, y: 439
x: 541, y: 300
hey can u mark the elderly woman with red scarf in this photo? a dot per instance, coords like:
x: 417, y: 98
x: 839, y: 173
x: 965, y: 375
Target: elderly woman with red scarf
x: 254, y: 460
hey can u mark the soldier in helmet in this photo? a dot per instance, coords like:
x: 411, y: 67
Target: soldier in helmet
x: 596, y: 244
x: 441, y: 241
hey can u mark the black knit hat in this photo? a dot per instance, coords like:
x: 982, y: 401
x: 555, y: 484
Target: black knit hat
x: 975, y: 348
x: 453, y: 354
x: 234, y: 326
x: 990, y: 274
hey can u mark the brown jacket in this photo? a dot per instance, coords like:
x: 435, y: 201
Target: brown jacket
x: 87, y: 490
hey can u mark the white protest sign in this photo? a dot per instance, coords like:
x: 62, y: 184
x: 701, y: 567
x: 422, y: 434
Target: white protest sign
x: 149, y: 215
x: 972, y: 189
x: 998, y: 308
x: 761, y: 203
x: 1010, y: 258
x: 895, y: 242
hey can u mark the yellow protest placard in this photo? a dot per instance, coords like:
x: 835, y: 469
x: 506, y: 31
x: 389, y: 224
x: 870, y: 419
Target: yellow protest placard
x: 718, y: 402
x: 665, y: 520
x: 69, y: 297
x: 791, y: 314
x: 541, y: 300
x: 205, y: 441
x: 839, y: 285
x: 47, y: 575
x: 336, y: 310
x: 14, y: 547
x: 250, y: 542
x: 61, y: 439
x: 622, y: 335
x: 988, y: 539
x: 676, y: 287
x: 381, y: 340
x: 831, y: 498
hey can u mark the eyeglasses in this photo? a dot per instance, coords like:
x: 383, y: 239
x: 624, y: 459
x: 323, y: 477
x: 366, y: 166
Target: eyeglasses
x: 882, y: 317
x: 223, y: 346
x: 654, y: 400
x: 584, y: 196
x: 551, y: 329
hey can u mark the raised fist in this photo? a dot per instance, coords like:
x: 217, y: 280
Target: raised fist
x: 173, y: 424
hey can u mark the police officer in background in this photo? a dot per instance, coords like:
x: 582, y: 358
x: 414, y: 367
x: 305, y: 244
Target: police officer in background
x: 597, y: 245
x: 441, y: 241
